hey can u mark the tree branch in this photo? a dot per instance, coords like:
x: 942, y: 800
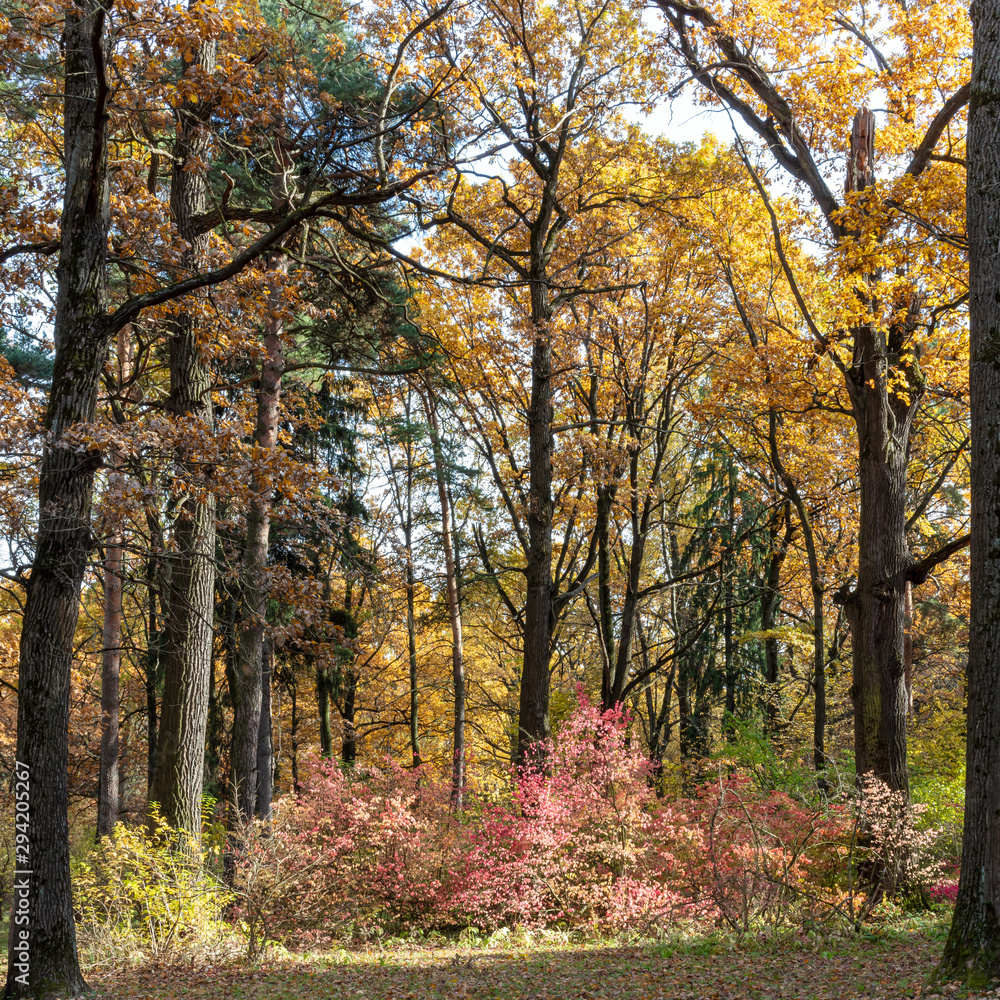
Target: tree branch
x: 919, y: 571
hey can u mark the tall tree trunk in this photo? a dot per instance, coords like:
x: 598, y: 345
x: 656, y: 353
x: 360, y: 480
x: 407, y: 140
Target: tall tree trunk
x: 874, y: 609
x: 41, y: 954
x: 411, y: 646
x: 152, y: 670
x: 180, y: 752
x: 454, y: 610
x: 728, y: 643
x: 605, y: 612
x: 411, y: 622
x: 265, y: 742
x: 770, y: 603
x: 972, y: 952
x: 250, y: 651
x: 818, y: 591
x: 533, y: 714
x: 111, y: 657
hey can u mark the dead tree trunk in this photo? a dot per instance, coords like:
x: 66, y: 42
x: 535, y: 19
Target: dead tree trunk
x: 883, y: 414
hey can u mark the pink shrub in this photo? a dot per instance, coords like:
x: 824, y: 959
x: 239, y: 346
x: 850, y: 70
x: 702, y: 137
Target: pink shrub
x: 750, y: 857
x: 943, y: 892
x: 584, y: 843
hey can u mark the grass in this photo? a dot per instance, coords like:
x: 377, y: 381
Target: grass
x: 894, y: 962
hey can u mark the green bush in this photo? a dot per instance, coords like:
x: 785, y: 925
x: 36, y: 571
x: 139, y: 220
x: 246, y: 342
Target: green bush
x: 139, y: 899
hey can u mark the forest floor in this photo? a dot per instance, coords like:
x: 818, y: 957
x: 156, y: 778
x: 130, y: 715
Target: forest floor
x: 892, y: 964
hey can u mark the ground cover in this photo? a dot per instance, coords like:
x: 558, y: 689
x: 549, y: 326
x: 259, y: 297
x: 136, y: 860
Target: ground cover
x: 893, y: 962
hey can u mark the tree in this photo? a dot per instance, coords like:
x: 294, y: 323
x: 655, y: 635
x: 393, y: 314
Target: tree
x: 972, y: 951
x: 189, y: 594
x: 877, y: 317
x: 549, y: 113
x: 84, y: 328
x: 458, y: 761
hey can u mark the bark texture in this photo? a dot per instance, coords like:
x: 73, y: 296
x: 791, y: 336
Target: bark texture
x: 265, y: 738
x: 454, y: 610
x: 188, y: 598
x: 972, y: 952
x: 533, y: 713
x: 247, y: 689
x: 44, y: 962
x: 111, y: 656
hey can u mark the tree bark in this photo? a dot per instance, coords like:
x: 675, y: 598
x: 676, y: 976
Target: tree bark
x: 533, y: 715
x: 247, y: 692
x: 111, y: 655
x: 972, y: 952
x: 770, y: 603
x: 152, y: 670
x: 883, y: 419
x: 454, y: 610
x: 324, y: 705
x: 265, y: 742
x: 180, y: 752
x: 41, y: 955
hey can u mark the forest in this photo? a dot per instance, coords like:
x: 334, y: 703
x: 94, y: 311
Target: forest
x: 497, y: 491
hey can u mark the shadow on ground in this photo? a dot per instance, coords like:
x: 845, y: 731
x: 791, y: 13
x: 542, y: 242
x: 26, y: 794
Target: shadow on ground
x: 894, y: 966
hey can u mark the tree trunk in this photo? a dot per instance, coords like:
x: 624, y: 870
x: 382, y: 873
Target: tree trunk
x: 111, y: 656
x: 411, y: 622
x: 411, y: 646
x: 728, y: 640
x: 605, y: 612
x: 454, y: 612
x: 41, y: 954
x: 875, y: 607
x: 152, y: 669
x: 770, y: 603
x: 349, y: 744
x: 180, y: 752
x: 972, y: 952
x: 265, y: 744
x: 533, y: 714
x: 324, y: 705
x: 250, y: 651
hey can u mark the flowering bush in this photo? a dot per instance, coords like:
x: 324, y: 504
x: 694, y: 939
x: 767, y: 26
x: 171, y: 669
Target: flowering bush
x: 890, y: 852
